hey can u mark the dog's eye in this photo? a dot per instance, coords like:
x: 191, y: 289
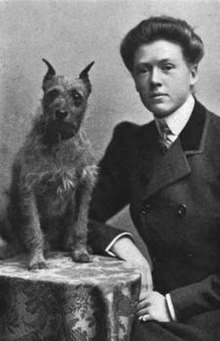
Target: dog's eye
x: 52, y: 93
x: 76, y: 96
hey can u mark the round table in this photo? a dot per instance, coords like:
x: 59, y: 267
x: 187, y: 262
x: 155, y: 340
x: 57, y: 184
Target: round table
x: 68, y: 301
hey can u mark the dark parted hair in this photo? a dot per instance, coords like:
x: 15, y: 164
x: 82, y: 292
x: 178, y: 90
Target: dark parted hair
x: 162, y: 27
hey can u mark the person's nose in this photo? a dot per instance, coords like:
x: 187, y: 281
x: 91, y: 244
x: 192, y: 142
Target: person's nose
x: 155, y: 77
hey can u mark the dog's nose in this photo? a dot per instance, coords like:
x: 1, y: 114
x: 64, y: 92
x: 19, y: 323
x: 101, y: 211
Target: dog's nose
x: 61, y: 114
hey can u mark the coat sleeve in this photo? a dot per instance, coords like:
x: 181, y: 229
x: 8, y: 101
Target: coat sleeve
x: 110, y: 194
x: 196, y: 298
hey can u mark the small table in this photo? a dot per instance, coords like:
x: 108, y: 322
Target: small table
x: 68, y: 301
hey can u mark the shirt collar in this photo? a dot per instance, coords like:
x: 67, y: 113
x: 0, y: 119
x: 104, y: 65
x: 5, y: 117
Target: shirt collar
x: 178, y: 119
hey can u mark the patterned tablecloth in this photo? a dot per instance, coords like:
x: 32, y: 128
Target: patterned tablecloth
x: 68, y: 301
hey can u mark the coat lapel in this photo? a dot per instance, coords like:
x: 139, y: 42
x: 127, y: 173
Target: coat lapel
x: 160, y: 170
x: 194, y: 134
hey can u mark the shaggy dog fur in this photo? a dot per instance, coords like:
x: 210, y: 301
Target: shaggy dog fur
x: 53, y: 174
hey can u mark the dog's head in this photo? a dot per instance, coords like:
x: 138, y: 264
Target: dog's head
x: 64, y: 103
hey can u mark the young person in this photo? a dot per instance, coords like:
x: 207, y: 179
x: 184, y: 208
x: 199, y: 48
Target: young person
x: 168, y: 172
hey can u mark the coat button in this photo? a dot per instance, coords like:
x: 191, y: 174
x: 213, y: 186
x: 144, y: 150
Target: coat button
x: 145, y: 209
x: 181, y: 210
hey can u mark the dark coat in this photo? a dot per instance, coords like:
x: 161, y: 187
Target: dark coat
x: 174, y: 200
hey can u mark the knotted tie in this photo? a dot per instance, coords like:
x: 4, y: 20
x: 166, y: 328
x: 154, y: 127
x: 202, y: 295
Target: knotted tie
x: 164, y: 134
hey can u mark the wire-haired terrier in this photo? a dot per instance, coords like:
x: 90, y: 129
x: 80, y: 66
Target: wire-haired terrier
x: 54, y: 173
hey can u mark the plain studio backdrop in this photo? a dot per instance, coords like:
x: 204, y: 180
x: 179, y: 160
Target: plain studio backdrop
x: 71, y: 34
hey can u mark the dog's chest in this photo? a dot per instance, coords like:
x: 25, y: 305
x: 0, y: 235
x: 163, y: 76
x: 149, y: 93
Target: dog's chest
x: 55, y: 191
x: 54, y: 174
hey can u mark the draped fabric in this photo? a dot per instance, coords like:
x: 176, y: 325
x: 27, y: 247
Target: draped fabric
x: 68, y: 301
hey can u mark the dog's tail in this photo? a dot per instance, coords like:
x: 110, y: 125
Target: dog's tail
x: 8, y: 246
x: 4, y: 244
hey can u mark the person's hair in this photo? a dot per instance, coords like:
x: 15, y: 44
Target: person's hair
x: 162, y: 27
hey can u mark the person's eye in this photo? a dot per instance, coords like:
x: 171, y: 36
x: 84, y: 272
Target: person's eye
x: 168, y: 67
x: 142, y: 69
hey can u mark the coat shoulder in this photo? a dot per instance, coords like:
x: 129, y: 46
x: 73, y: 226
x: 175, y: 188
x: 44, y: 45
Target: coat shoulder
x: 131, y: 130
x: 214, y: 123
x: 214, y: 117
x: 129, y: 138
x: 126, y: 127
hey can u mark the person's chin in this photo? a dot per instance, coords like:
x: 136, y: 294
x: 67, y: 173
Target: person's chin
x: 160, y: 110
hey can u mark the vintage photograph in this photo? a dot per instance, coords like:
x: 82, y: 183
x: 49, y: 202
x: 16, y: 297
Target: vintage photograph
x: 109, y: 170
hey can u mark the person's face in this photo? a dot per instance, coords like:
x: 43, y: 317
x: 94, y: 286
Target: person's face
x: 162, y: 77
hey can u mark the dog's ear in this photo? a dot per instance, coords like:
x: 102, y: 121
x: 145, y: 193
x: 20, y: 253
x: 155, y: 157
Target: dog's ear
x: 84, y: 75
x: 50, y: 73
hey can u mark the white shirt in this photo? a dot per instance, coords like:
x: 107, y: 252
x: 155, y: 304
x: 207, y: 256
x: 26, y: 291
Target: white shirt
x: 178, y: 119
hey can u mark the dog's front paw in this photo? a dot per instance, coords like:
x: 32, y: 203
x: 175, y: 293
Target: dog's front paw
x: 37, y: 262
x: 81, y: 256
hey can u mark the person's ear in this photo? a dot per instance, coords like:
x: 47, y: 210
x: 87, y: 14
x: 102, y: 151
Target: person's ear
x: 194, y: 75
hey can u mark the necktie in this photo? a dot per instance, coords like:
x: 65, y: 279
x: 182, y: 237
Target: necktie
x: 164, y: 140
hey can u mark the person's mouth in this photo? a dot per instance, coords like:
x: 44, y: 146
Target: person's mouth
x: 158, y: 95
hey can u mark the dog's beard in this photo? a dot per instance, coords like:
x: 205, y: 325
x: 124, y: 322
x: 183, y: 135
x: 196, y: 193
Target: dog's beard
x: 55, y: 131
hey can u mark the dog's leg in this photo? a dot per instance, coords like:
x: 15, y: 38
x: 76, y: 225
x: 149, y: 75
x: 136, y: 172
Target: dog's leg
x: 31, y: 234
x: 79, y: 251
x: 76, y: 232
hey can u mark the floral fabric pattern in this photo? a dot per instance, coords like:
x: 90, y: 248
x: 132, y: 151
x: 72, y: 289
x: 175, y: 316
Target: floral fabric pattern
x: 68, y: 301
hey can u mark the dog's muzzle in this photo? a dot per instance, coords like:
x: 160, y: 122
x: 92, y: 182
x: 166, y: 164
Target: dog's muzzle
x: 59, y: 130
x: 61, y: 115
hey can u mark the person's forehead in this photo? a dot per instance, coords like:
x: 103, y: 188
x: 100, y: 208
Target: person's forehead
x: 158, y: 50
